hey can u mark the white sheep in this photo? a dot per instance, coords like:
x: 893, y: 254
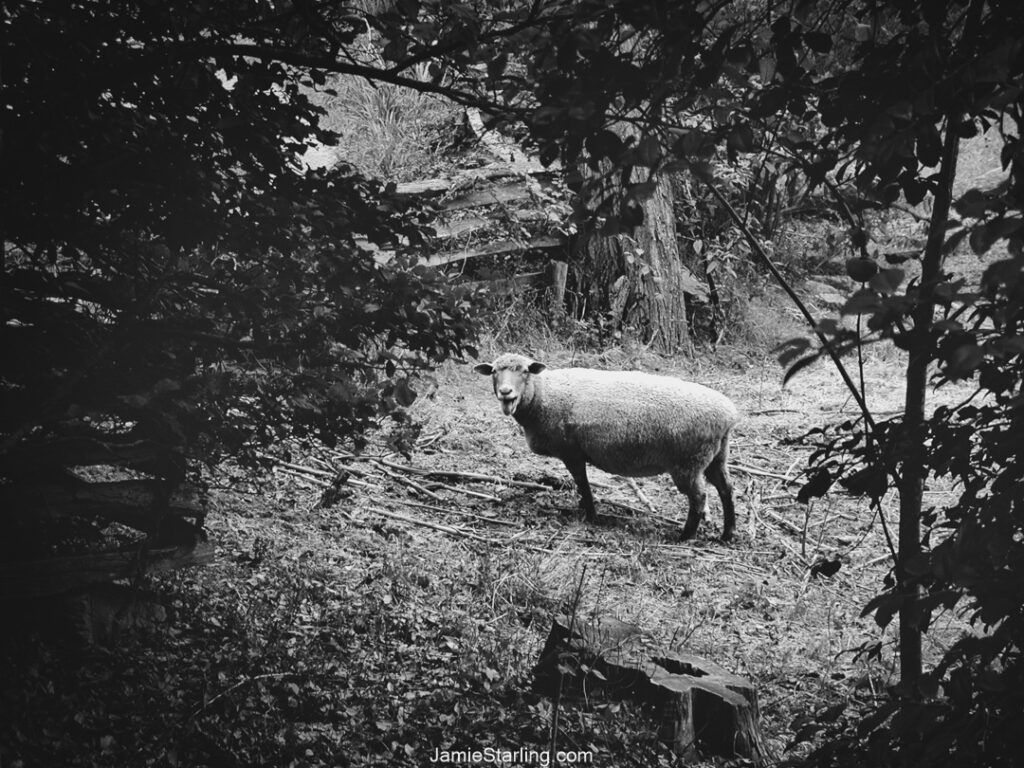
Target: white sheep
x: 624, y: 422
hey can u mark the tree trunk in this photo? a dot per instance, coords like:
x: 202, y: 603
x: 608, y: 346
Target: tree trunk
x: 639, y: 278
x: 914, y: 469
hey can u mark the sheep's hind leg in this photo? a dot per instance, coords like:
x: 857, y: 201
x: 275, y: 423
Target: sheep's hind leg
x: 717, y: 474
x: 691, y: 485
x: 578, y: 470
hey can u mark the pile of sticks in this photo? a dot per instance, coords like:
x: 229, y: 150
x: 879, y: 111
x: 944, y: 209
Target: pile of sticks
x: 370, y: 476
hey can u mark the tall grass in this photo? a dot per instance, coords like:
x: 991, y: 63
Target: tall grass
x: 388, y: 131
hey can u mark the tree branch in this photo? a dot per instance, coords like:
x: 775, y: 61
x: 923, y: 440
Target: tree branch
x: 329, y: 64
x: 784, y: 284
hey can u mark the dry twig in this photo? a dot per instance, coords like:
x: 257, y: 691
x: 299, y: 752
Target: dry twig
x: 760, y: 472
x: 640, y: 494
x: 408, y: 482
x: 436, y: 526
x: 443, y: 510
x: 464, y: 476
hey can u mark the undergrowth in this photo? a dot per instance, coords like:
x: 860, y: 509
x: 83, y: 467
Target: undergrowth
x: 389, y: 132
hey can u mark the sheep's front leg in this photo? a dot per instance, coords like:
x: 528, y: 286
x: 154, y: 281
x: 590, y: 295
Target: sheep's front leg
x: 578, y: 469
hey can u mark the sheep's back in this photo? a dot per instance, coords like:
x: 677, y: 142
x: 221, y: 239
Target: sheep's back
x: 634, y: 423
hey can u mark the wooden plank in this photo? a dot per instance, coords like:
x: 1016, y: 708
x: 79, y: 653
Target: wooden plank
x: 141, y: 504
x: 469, y: 176
x: 506, y: 193
x: 54, y: 576
x: 495, y: 249
x: 510, y: 284
x: 460, y: 227
x: 35, y: 458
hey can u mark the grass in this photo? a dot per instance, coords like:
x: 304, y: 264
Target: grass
x: 387, y: 131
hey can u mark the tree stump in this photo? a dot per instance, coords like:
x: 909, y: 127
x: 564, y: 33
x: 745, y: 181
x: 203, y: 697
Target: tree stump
x: 701, y: 707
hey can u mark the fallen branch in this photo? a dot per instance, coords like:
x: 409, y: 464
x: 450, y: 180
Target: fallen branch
x: 443, y: 510
x: 647, y: 513
x: 436, y: 526
x: 408, y: 482
x: 236, y: 686
x: 347, y: 456
x: 467, y: 491
x: 779, y: 518
x: 429, y: 440
x: 874, y: 561
x: 464, y: 476
x: 641, y: 495
x: 762, y: 473
x: 298, y: 467
x: 627, y: 507
x: 303, y: 476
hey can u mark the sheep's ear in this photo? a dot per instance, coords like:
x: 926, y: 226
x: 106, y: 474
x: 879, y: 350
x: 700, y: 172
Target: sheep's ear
x: 536, y: 367
x: 485, y: 369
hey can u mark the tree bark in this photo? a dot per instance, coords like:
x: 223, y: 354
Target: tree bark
x: 639, y: 278
x: 914, y: 454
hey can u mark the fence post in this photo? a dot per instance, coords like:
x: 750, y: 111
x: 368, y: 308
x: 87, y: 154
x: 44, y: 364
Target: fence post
x: 555, y: 274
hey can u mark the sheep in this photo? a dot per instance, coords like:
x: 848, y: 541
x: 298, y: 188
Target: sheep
x: 624, y: 422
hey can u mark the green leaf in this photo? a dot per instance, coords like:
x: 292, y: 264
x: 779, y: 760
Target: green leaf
x: 819, y: 42
x: 741, y: 138
x: 791, y: 349
x: 818, y: 485
x: 929, y: 145
x: 887, y: 280
x: 648, y: 152
x: 405, y: 395
x: 798, y: 366
x: 862, y: 302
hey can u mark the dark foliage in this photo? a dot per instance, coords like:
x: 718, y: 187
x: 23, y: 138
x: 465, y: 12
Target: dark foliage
x: 922, y: 77
x: 174, y: 283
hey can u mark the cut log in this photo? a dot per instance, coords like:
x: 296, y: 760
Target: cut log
x: 701, y: 707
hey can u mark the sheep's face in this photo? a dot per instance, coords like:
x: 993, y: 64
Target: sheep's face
x: 510, y: 375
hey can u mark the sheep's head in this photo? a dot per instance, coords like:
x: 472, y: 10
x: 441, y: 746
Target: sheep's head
x: 510, y: 375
